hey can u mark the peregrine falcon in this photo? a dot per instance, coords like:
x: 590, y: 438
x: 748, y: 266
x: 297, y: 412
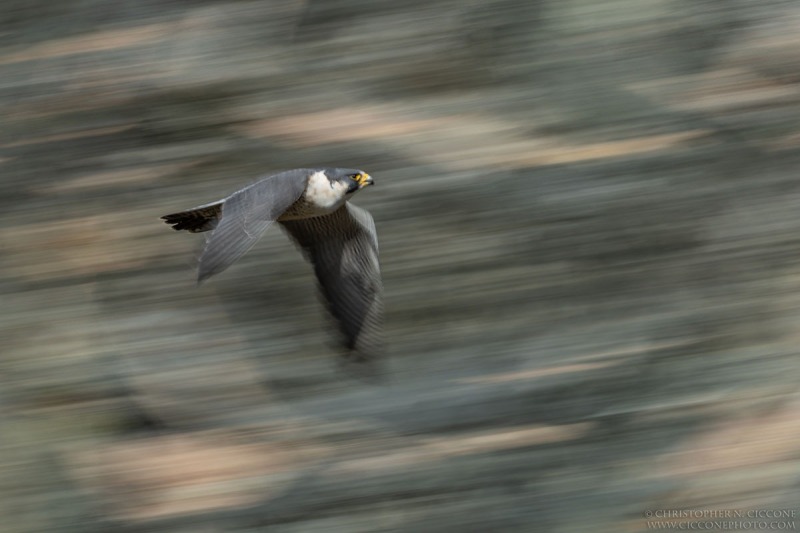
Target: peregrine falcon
x: 338, y: 238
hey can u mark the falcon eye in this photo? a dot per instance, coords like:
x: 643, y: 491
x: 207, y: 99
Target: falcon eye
x: 355, y: 177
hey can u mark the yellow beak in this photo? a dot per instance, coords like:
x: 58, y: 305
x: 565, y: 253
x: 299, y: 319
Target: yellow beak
x: 364, y: 179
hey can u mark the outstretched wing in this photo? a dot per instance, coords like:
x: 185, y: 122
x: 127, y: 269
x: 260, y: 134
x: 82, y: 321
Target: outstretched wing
x: 239, y: 220
x: 343, y: 247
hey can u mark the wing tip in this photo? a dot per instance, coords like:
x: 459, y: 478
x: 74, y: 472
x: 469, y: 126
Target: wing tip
x: 204, y: 272
x: 195, y: 220
x: 177, y: 221
x: 172, y: 219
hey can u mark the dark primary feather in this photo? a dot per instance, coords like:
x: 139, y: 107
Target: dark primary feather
x: 203, y: 218
x: 343, y: 249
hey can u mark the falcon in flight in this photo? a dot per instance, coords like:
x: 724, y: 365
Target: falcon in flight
x: 338, y: 238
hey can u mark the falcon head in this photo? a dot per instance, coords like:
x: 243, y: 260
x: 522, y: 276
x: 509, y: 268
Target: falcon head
x: 353, y: 179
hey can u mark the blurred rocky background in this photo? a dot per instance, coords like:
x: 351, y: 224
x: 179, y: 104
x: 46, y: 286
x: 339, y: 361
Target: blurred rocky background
x: 590, y: 239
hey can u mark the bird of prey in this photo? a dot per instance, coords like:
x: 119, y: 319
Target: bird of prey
x: 338, y: 238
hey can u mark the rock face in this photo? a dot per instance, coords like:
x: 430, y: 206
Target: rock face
x: 588, y: 215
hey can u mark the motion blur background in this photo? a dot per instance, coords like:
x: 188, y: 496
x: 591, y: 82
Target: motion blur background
x: 588, y: 214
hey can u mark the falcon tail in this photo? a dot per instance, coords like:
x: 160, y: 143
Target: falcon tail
x: 199, y: 219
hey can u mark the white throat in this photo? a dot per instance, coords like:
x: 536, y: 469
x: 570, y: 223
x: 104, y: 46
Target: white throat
x: 324, y: 194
